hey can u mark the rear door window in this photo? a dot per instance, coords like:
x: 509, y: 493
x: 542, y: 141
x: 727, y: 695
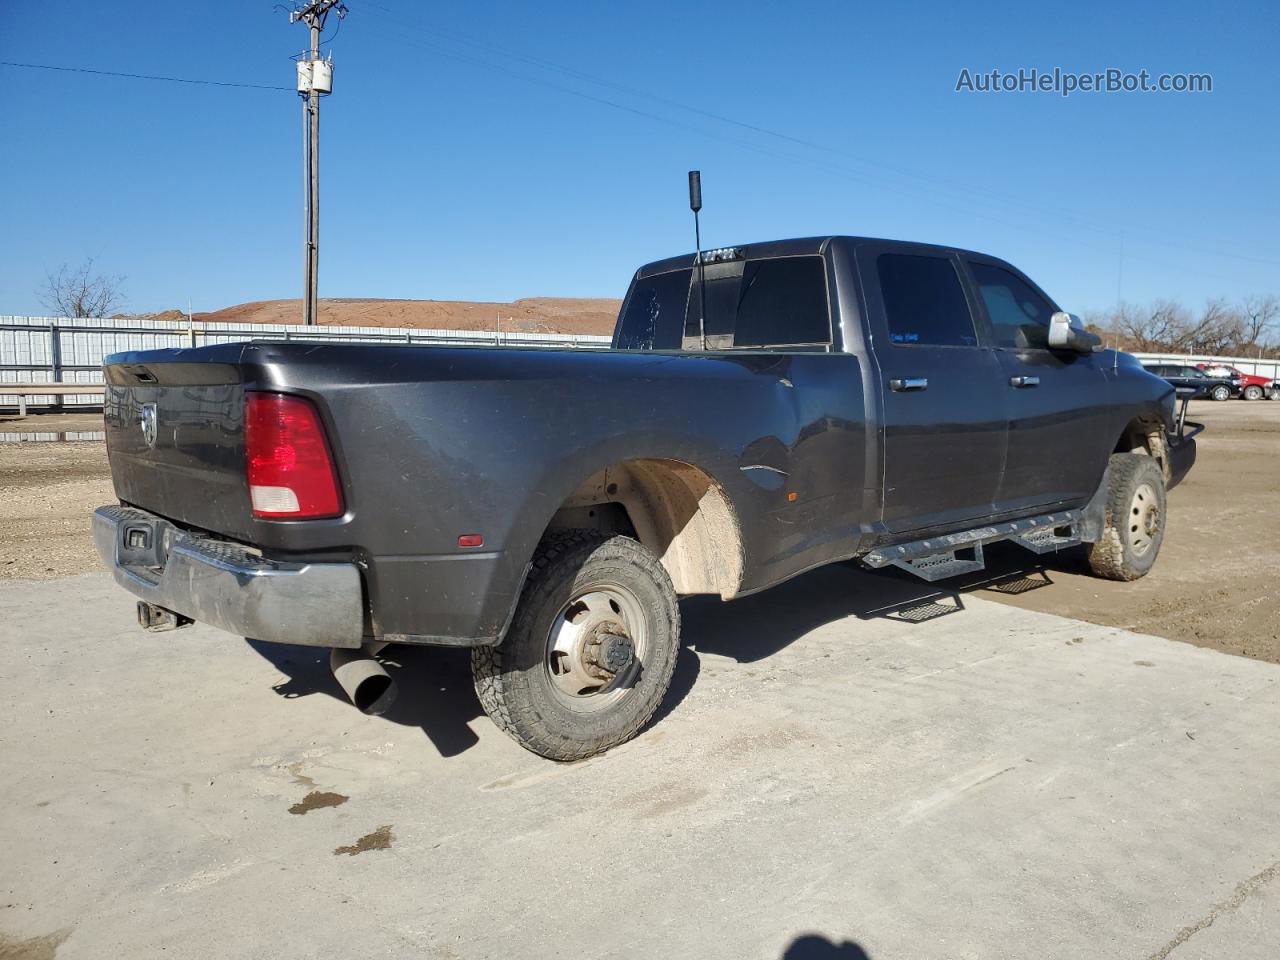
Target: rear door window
x: 924, y: 302
x: 769, y: 302
x: 1019, y: 315
x: 783, y: 301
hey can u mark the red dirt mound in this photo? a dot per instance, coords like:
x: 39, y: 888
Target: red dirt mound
x: 530, y: 315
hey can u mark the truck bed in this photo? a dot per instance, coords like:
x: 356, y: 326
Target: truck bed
x: 434, y: 442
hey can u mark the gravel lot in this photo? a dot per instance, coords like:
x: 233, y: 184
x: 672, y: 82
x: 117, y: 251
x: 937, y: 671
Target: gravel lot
x: 830, y: 776
x: 1214, y: 584
x: 824, y: 783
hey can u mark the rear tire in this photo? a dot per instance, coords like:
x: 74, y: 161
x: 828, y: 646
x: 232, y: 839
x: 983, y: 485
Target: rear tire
x: 1220, y: 392
x: 591, y: 649
x: 1253, y: 392
x: 1133, y: 524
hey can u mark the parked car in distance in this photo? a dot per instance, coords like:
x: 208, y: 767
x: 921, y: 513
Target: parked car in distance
x: 1185, y: 375
x: 1253, y: 386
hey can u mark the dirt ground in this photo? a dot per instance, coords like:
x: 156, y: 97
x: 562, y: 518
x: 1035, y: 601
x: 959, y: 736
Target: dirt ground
x: 529, y: 315
x: 1214, y: 584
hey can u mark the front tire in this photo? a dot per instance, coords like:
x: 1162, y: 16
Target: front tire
x: 590, y: 651
x: 1221, y: 393
x: 1133, y: 523
x: 1253, y: 392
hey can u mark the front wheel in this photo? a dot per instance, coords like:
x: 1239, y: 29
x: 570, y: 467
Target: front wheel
x: 590, y: 652
x: 1133, y: 523
x: 1221, y: 393
x: 1253, y: 392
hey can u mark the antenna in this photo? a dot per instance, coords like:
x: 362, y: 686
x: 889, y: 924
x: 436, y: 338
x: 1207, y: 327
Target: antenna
x: 695, y: 204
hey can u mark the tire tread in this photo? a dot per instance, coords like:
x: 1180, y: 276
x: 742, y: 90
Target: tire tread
x: 1107, y: 557
x: 516, y: 715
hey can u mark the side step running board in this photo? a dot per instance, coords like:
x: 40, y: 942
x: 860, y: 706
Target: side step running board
x: 937, y: 558
x: 940, y: 566
x: 1049, y: 539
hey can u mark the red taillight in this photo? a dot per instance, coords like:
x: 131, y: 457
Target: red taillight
x: 291, y: 475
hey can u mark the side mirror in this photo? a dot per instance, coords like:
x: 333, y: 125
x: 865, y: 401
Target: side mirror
x: 1067, y: 332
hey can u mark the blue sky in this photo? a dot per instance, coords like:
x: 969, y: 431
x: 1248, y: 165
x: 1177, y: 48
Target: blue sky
x: 467, y: 153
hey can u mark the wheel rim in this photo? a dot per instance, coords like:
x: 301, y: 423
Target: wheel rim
x: 1144, y: 519
x: 1253, y: 393
x: 596, y: 648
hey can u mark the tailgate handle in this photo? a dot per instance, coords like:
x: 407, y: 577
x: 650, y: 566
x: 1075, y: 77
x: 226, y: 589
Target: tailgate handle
x: 903, y: 384
x: 1024, y: 381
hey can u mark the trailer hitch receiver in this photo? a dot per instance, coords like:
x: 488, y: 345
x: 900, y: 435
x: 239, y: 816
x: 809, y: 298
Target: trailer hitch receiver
x: 157, y: 619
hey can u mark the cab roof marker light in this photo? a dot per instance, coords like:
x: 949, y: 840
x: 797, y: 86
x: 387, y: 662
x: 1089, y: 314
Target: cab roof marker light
x: 720, y: 254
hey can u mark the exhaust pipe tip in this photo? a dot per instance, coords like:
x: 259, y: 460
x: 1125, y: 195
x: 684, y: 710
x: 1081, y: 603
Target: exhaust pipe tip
x: 363, y: 679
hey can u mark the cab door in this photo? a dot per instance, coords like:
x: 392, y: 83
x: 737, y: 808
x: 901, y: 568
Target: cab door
x: 1058, y: 401
x: 942, y: 424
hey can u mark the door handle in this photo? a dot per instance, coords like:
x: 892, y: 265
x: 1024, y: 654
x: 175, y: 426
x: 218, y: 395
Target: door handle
x: 1024, y: 381
x: 909, y: 383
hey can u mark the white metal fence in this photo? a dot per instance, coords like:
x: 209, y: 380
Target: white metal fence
x: 57, y: 349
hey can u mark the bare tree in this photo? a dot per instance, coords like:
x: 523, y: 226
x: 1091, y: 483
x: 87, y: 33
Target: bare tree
x: 1222, y: 328
x: 81, y: 292
x: 1258, y: 318
x: 1157, y: 326
x: 1216, y: 332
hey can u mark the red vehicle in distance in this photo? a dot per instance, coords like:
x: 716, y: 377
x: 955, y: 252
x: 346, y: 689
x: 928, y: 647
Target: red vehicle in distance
x: 1252, y: 386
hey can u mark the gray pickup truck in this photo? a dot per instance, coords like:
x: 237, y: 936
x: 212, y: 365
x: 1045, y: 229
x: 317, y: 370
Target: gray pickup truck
x: 764, y: 410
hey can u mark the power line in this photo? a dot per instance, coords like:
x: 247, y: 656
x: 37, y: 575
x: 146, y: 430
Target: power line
x: 144, y: 76
x: 827, y: 166
x: 923, y: 182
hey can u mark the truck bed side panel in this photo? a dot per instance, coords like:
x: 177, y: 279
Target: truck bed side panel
x: 432, y: 443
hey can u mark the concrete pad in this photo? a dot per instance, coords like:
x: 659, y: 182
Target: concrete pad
x: 990, y: 783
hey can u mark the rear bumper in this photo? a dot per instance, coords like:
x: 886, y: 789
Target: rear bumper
x: 227, y: 586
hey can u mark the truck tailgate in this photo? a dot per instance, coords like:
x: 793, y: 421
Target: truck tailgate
x: 175, y: 439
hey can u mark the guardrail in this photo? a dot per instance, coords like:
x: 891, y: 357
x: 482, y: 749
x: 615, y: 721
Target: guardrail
x: 67, y: 350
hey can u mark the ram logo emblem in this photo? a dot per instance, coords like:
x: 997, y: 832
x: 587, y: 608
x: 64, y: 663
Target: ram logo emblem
x: 148, y: 422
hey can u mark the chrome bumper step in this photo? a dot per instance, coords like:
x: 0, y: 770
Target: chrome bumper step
x: 227, y: 585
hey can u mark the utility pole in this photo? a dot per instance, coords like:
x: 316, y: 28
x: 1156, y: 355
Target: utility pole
x: 315, y: 78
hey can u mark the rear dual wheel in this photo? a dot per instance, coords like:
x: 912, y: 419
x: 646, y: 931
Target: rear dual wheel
x: 590, y: 652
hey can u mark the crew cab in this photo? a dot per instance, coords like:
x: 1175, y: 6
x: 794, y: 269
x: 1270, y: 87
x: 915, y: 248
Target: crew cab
x: 764, y: 409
